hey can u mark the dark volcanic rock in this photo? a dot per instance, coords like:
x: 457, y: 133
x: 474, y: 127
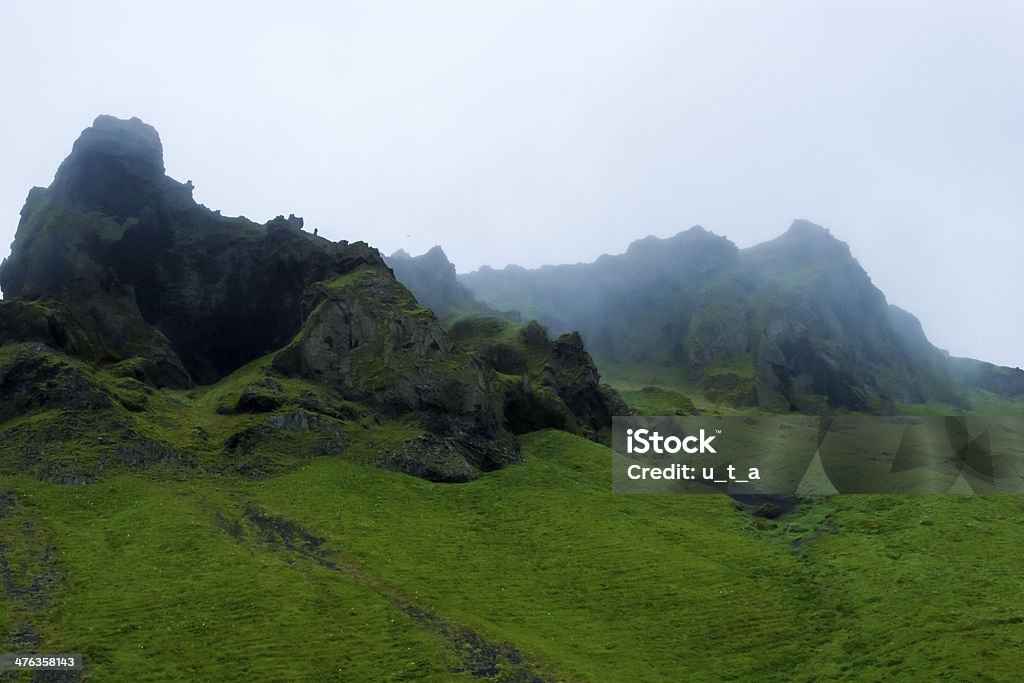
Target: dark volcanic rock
x: 115, y: 167
x: 49, y: 323
x: 571, y: 372
x: 154, y: 274
x: 563, y: 394
x: 116, y: 265
x: 33, y: 378
x: 450, y: 459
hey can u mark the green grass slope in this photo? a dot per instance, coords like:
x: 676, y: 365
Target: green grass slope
x: 656, y: 389
x: 340, y: 571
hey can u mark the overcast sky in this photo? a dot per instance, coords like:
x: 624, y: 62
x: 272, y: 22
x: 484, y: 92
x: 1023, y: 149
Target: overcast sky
x: 549, y: 132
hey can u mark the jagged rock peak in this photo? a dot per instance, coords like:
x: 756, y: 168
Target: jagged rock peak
x: 115, y: 268
x: 802, y: 227
x: 115, y: 166
x: 804, y: 242
x: 434, y: 255
x: 806, y: 232
x: 157, y: 276
x: 437, y: 253
x: 131, y: 144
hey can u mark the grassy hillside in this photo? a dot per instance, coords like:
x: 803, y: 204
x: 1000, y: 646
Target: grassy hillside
x: 341, y: 571
x: 652, y: 389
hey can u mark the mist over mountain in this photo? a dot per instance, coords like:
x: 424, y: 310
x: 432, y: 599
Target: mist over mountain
x: 790, y: 324
x: 432, y: 277
x: 195, y: 411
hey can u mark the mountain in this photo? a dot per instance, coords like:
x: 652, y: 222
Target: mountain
x: 791, y: 324
x: 139, y: 327
x: 140, y: 357
x: 432, y: 277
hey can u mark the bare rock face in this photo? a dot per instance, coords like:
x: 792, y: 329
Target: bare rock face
x: 158, y: 277
x: 571, y: 372
x: 361, y: 332
x: 366, y: 336
x: 115, y: 167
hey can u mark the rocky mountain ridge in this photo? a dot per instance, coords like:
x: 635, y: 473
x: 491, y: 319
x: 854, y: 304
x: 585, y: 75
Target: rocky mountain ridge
x: 120, y: 288
x: 791, y: 324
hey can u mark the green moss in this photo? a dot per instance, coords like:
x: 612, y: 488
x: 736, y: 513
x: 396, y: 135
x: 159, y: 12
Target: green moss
x: 474, y: 332
x: 114, y: 423
x: 354, y: 278
x: 742, y: 367
x: 730, y: 389
x: 475, y: 328
x: 978, y: 403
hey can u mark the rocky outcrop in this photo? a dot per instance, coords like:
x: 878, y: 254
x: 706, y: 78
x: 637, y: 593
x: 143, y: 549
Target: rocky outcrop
x: 545, y: 384
x: 119, y: 285
x: 156, y: 276
x: 364, y: 332
x: 366, y: 336
x: 571, y: 372
x: 34, y: 379
x: 49, y: 323
x: 560, y: 387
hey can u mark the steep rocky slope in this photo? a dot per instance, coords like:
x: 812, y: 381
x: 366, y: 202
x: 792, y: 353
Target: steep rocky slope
x: 121, y: 289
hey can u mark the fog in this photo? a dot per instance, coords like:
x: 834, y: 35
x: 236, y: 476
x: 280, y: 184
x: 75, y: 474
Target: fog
x: 540, y: 132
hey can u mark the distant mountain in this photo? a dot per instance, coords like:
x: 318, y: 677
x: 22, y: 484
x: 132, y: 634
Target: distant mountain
x: 791, y: 324
x: 120, y: 290
x: 431, y: 276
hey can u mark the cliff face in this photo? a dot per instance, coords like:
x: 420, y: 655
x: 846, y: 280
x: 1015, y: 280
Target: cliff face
x: 163, y: 279
x: 117, y: 267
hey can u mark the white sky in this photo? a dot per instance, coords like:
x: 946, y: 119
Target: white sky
x: 547, y: 132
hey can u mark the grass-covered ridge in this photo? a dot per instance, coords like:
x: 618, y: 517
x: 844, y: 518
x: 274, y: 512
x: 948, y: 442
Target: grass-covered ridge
x: 338, y: 571
x: 69, y: 422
